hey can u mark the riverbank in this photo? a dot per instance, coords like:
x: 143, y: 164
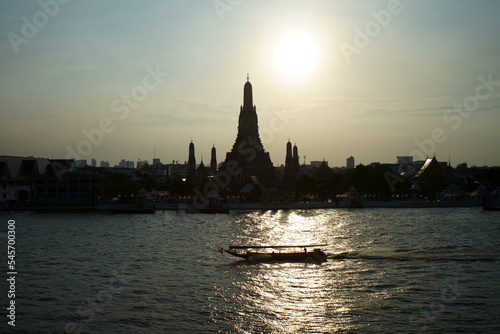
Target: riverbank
x: 252, y: 206
x: 346, y: 204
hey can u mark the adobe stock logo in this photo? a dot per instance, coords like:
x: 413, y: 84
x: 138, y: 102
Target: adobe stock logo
x: 40, y: 19
x: 371, y: 29
x: 277, y: 123
x: 483, y: 91
x: 122, y: 106
x: 222, y: 6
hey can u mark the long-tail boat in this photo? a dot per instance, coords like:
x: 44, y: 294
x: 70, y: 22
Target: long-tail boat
x: 276, y: 253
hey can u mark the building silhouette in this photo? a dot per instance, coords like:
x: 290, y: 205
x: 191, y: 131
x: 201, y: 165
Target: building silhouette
x: 248, y: 159
x: 191, y: 172
x: 201, y: 172
x: 40, y: 181
x: 122, y: 164
x: 213, y: 162
x: 296, y: 163
x: 292, y: 166
x: 350, y: 162
x: 323, y: 172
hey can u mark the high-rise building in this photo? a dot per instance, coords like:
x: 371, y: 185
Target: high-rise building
x: 126, y: 164
x: 247, y: 158
x: 350, y: 162
x: 142, y: 163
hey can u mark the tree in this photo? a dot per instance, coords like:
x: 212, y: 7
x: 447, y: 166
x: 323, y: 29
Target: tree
x: 305, y: 185
x: 255, y: 195
x: 373, y: 180
x: 121, y: 185
x: 145, y: 181
x: 180, y: 187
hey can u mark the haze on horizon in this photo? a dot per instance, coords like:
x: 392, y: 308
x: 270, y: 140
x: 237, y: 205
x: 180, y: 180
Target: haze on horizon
x: 371, y: 79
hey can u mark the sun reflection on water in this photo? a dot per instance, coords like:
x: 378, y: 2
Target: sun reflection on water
x: 291, y: 298
x: 282, y: 227
x: 288, y: 297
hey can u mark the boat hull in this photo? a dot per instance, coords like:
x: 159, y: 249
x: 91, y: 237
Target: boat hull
x: 315, y: 256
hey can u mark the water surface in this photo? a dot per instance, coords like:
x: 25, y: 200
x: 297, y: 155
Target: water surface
x: 390, y: 271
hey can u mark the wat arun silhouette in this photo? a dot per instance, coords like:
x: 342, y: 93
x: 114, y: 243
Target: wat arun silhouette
x: 248, y: 162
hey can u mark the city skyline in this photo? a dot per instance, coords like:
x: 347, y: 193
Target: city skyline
x: 373, y: 80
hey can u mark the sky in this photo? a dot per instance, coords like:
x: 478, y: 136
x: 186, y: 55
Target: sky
x: 132, y: 80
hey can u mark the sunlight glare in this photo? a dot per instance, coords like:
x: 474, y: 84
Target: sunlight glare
x: 296, y: 54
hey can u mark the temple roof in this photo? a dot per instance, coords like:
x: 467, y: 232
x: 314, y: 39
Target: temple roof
x: 430, y: 165
x: 323, y: 170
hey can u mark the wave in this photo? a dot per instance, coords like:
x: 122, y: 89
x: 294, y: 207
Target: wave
x: 442, y: 254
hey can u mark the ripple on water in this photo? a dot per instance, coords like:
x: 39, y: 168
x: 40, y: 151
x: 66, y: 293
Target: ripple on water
x: 390, y: 271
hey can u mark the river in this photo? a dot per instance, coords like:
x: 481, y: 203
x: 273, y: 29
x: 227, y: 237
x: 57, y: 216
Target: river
x: 390, y: 271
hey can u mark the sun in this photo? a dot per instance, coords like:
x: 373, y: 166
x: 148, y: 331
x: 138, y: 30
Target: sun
x: 296, y: 54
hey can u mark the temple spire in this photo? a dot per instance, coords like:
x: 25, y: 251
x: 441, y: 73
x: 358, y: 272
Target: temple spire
x: 247, y: 95
x: 191, y: 174
x: 248, y: 157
